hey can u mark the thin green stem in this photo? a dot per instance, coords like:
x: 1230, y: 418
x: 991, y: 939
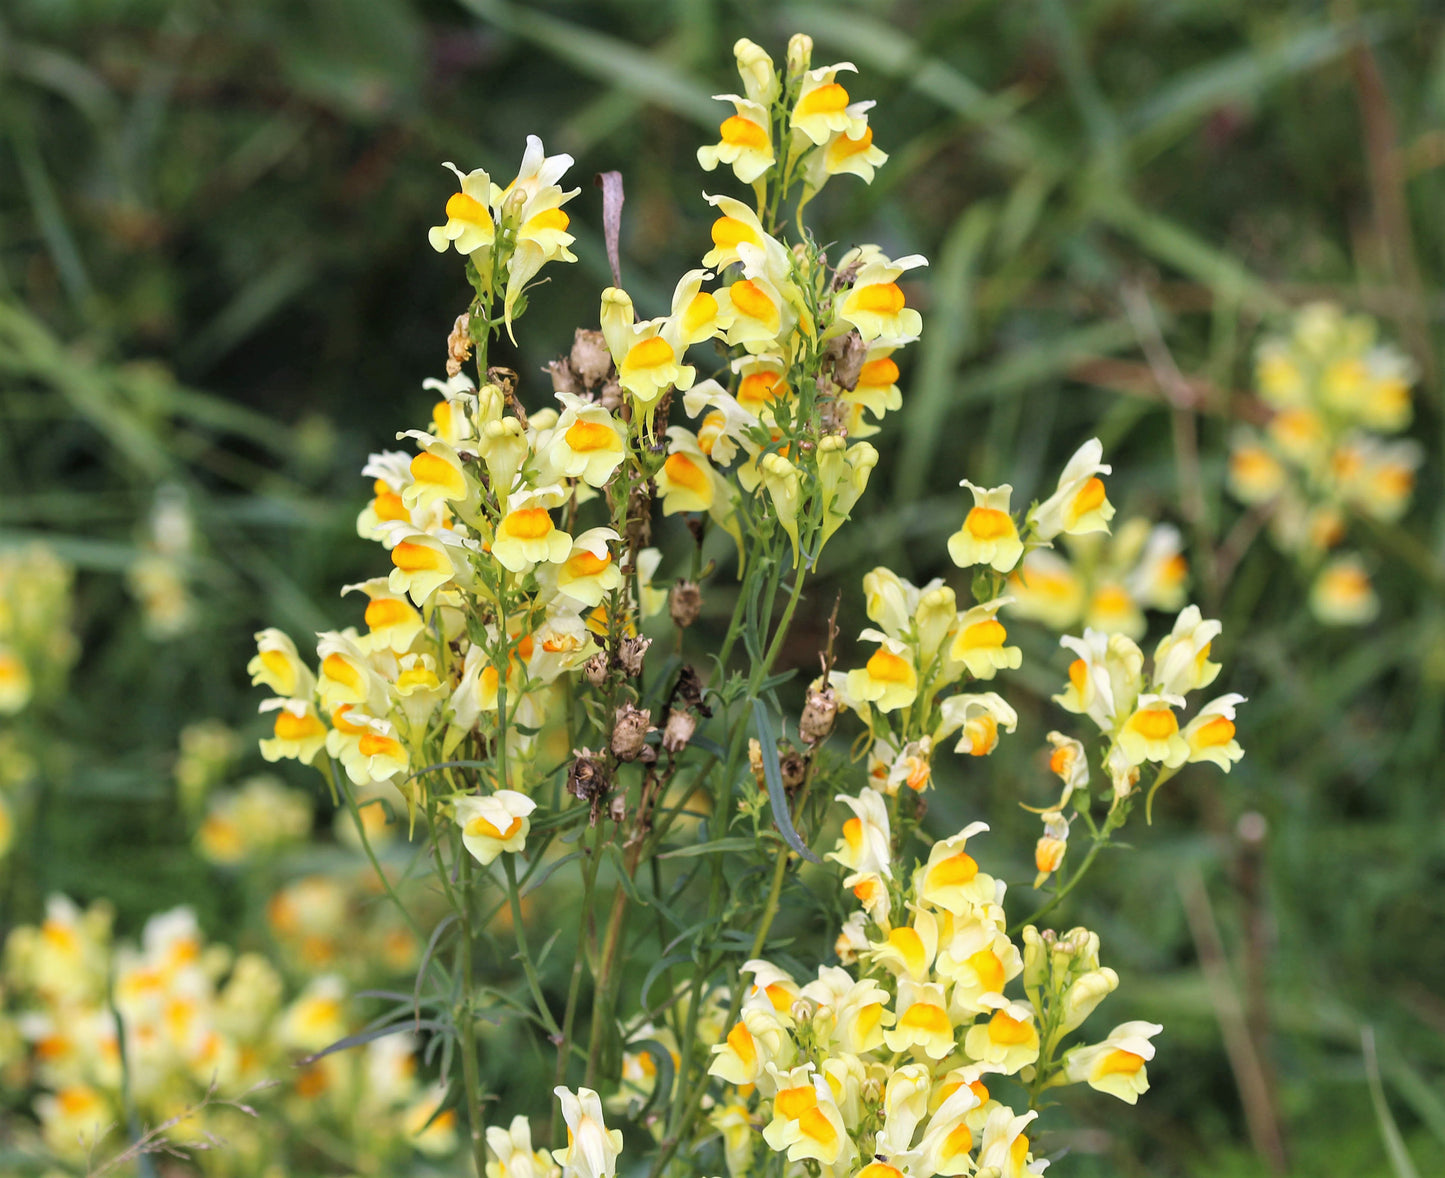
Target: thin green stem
x: 529, y: 967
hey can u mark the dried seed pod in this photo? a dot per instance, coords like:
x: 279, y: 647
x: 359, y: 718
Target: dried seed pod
x: 587, y: 776
x: 610, y: 398
x: 794, y: 767
x: 684, y: 603
x: 564, y: 380
x: 629, y: 655
x: 595, y: 669
x: 820, y: 712
x: 629, y: 732
x: 590, y: 358
x: 688, y: 689
x: 459, y: 344
x: 678, y: 730
x: 847, y: 354
x: 617, y: 811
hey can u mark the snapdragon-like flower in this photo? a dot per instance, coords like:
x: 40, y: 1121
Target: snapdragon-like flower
x: 494, y: 823
x: 988, y: 535
x: 1080, y: 504
x: 1116, y: 1066
x: 592, y: 1148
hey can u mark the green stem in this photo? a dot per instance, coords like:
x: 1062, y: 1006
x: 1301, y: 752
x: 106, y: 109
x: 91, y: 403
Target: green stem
x: 534, y: 982
x: 467, y: 1024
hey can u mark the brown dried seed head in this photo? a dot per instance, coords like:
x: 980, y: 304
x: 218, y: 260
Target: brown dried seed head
x: 847, y: 352
x: 459, y: 344
x: 681, y: 724
x: 629, y: 732
x: 794, y: 768
x: 617, y: 811
x: 629, y: 655
x: 587, y: 776
x: 564, y: 380
x: 684, y: 603
x: 820, y: 711
x: 610, y: 397
x: 591, y: 359
x: 595, y: 669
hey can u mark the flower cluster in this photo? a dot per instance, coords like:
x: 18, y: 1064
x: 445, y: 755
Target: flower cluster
x: 1335, y: 393
x: 1105, y: 583
x: 96, y: 1031
x: 818, y: 1065
x: 259, y: 817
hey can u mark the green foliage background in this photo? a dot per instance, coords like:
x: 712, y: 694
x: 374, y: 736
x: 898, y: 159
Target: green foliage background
x: 214, y: 276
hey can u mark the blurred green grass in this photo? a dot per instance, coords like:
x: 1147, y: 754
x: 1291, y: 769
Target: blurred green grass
x: 213, y: 276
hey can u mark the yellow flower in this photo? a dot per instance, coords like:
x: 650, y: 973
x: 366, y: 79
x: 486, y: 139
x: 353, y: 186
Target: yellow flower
x: 845, y: 152
x: 1116, y: 1066
x: 687, y: 480
x: 909, y: 949
x: 317, y: 1017
x: 648, y: 355
x: 988, y: 535
x: 752, y: 312
x: 1181, y: 660
x: 526, y: 535
x: 469, y: 223
x: 753, y: 1043
x: 493, y: 823
x: 725, y: 423
x: 905, y: 1103
x: 951, y: 879
x: 922, y: 1020
x: 745, y: 142
x: 422, y: 563
x: 1070, y: 763
x: 695, y: 312
x: 346, y: 675
x: 976, y: 718
x: 1255, y: 475
x: 1151, y: 733
x: 298, y: 732
x: 589, y: 573
x: 1300, y: 435
x: 1342, y: 594
x: 279, y: 667
x: 874, y: 304
x: 889, y: 679
x: 1080, y: 504
x: 1278, y: 376
x: 739, y: 226
x: 1054, y: 843
x: 806, y: 1120
x: 1210, y: 735
x: 1009, y: 1039
x: 437, y: 474
x: 978, y: 643
x: 822, y: 109
x: 15, y: 682
x: 1005, y: 1149
x: 515, y: 1156
x: 1046, y: 588
x: 866, y: 843
x: 391, y: 621
x: 1106, y: 678
x: 377, y: 754
x: 979, y: 960
x: 592, y: 1148
x: 944, y: 1148
x: 736, y: 1127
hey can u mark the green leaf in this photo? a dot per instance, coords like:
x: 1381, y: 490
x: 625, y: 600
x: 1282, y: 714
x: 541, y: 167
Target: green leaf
x: 773, y: 773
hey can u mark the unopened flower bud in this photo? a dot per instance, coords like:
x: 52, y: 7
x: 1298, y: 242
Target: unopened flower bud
x: 1036, y: 958
x: 629, y: 655
x: 617, y: 811
x: 803, y: 1010
x: 684, y: 602
x: 820, y: 711
x: 678, y: 730
x: 1085, y: 994
x: 800, y: 53
x: 871, y: 1091
x: 595, y: 669
x: 1082, y: 945
x: 629, y: 732
x: 590, y: 359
